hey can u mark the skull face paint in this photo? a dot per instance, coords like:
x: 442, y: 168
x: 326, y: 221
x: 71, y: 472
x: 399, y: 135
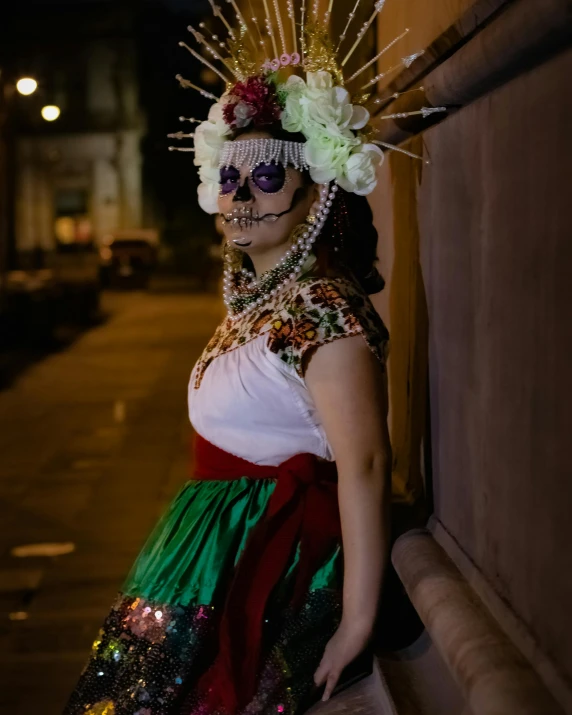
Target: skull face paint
x: 267, y: 178
x: 262, y: 204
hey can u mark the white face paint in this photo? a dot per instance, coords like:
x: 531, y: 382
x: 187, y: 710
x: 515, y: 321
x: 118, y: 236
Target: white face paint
x: 262, y: 205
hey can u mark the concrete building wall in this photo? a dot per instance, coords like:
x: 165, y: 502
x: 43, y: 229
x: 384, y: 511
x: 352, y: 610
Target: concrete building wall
x: 496, y: 264
x: 476, y: 248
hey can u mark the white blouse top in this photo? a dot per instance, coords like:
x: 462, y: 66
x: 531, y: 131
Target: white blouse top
x: 247, y: 393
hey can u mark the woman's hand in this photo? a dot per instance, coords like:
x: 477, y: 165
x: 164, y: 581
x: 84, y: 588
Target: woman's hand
x: 350, y: 393
x: 344, y: 646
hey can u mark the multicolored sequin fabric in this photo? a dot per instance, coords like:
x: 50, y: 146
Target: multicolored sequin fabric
x: 148, y: 658
x: 142, y: 658
x: 310, y: 313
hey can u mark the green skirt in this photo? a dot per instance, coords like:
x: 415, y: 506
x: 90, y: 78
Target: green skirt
x: 161, y: 634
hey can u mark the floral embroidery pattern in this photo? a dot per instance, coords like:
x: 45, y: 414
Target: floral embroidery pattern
x: 312, y: 312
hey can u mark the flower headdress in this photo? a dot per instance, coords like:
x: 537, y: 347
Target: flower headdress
x: 339, y: 145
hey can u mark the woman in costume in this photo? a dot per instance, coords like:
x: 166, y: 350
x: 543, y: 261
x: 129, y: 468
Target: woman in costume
x: 260, y: 584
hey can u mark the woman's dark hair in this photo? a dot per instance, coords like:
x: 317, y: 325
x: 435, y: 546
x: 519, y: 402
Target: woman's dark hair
x: 348, y: 240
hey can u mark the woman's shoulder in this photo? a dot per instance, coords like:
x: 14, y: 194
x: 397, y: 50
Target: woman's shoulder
x: 317, y: 310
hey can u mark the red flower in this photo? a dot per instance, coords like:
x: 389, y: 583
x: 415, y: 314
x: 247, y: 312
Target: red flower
x: 258, y: 102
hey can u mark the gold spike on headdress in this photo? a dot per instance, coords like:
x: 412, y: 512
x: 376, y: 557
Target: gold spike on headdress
x: 280, y: 25
x: 320, y: 52
x: 378, y: 56
x: 200, y: 39
x: 328, y: 12
x: 186, y: 84
x: 378, y: 7
x: 242, y: 59
x: 348, y: 23
x: 205, y: 62
x: 217, y: 12
x: 270, y: 27
x: 292, y: 16
x: 244, y: 28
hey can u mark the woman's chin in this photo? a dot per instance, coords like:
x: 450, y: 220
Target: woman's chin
x: 242, y: 243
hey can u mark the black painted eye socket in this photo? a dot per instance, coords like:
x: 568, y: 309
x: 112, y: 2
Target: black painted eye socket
x: 269, y: 178
x: 229, y: 179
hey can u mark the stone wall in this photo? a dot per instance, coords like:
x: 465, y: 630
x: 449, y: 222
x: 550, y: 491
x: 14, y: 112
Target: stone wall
x: 477, y: 250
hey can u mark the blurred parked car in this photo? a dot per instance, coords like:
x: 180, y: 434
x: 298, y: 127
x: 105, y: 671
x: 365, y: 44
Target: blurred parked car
x: 128, y: 258
x: 49, y: 292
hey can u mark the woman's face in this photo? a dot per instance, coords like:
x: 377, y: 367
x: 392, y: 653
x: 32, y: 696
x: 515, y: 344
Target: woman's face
x: 269, y: 201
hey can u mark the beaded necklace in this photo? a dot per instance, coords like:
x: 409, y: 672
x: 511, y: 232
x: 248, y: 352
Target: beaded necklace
x: 243, y: 292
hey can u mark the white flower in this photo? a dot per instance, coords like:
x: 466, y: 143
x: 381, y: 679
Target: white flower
x: 359, y: 173
x: 317, y: 105
x: 326, y: 116
x: 319, y: 80
x: 208, y: 197
x: 209, y: 173
x: 209, y: 139
x: 327, y: 154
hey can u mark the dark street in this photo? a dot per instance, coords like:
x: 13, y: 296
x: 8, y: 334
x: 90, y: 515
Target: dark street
x: 94, y: 442
x: 370, y: 199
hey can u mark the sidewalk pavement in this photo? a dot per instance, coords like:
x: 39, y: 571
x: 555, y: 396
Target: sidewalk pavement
x: 94, y: 442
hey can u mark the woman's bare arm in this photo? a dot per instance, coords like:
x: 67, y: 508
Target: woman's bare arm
x: 349, y: 389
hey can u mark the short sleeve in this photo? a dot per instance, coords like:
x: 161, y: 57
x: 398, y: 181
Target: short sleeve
x: 321, y: 311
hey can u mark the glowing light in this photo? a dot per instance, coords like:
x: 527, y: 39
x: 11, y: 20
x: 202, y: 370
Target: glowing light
x: 26, y: 86
x: 18, y: 616
x: 43, y: 549
x: 50, y: 112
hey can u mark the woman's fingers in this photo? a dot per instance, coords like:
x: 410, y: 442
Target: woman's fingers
x: 321, y: 674
x: 327, y: 673
x: 330, y: 685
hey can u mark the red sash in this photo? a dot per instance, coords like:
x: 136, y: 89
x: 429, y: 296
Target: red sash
x: 303, y: 508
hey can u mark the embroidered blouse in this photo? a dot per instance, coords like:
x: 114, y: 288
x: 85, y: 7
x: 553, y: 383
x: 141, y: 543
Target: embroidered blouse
x: 247, y: 393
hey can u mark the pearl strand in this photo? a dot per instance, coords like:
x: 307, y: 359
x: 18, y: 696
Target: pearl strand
x: 286, y: 270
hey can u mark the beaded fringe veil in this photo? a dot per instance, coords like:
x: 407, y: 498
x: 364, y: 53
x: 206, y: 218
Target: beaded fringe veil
x: 264, y: 151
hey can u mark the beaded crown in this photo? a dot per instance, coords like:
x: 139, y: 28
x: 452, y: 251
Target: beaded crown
x: 287, y: 69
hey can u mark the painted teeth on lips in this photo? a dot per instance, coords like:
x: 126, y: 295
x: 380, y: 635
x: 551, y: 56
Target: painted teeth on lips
x: 241, y: 217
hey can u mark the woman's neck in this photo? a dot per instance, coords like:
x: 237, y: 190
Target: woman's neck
x: 268, y: 260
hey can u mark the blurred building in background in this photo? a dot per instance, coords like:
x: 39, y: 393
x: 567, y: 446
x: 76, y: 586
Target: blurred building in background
x: 72, y: 164
x: 77, y: 177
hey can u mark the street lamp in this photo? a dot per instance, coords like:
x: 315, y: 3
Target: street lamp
x: 50, y: 112
x: 26, y: 86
